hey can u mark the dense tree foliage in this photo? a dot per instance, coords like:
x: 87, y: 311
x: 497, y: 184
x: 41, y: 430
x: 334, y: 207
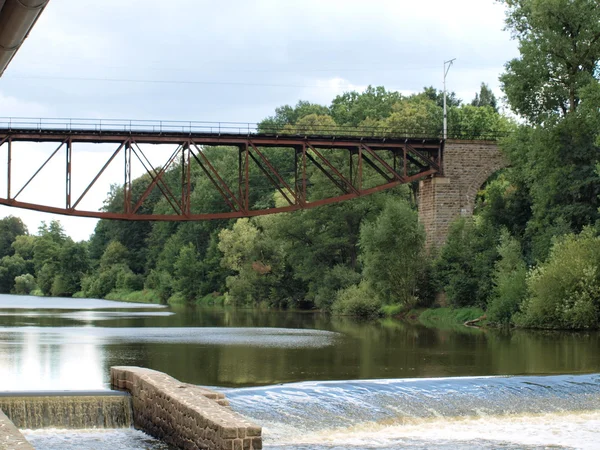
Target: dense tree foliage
x: 529, y: 256
x: 559, y: 42
x: 535, y: 211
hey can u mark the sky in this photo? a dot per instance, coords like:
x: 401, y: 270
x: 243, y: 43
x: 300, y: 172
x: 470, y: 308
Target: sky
x: 232, y: 60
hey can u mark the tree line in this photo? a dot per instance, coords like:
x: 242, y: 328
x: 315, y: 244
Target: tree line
x: 530, y: 256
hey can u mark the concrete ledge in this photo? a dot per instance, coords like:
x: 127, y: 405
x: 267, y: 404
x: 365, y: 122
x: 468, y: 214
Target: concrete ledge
x: 10, y: 437
x: 184, y: 415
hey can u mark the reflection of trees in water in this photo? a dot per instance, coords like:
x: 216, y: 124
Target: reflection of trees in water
x: 377, y: 349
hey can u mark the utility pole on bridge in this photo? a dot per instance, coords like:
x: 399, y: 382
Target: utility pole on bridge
x: 449, y: 64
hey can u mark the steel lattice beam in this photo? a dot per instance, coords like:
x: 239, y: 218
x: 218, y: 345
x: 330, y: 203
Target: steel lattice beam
x: 390, y: 162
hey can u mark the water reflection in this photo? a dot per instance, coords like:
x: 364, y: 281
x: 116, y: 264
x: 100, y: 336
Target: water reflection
x: 32, y: 302
x: 50, y: 349
x: 30, y: 362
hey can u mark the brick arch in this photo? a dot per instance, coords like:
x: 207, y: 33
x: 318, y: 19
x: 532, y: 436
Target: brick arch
x: 478, y: 180
x: 467, y: 165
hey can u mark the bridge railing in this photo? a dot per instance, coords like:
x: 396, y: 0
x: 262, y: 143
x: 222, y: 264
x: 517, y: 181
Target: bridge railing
x: 125, y: 125
x: 78, y: 125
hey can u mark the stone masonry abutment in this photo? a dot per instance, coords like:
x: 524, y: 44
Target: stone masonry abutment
x: 10, y: 436
x: 467, y: 165
x: 183, y: 415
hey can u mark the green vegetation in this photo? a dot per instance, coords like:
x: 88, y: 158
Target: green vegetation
x: 529, y: 257
x: 449, y: 317
x: 144, y: 296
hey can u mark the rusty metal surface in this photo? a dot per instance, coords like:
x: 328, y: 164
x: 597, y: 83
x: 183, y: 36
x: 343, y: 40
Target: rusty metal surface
x: 391, y: 161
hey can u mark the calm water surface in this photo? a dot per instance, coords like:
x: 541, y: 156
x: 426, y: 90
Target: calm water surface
x: 382, y: 384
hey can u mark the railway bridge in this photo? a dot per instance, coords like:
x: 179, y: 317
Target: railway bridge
x: 164, y: 159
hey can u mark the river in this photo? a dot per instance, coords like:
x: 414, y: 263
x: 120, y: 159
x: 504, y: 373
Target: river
x: 316, y: 382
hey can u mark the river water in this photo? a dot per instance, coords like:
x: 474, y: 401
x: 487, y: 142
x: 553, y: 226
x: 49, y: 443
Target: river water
x: 314, y: 382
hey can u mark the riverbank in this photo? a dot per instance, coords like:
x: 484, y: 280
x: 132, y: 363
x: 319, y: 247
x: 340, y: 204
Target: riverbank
x: 441, y: 318
x: 446, y: 317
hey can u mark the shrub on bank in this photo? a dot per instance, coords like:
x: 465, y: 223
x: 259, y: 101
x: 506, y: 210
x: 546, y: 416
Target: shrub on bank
x: 510, y: 281
x: 392, y: 253
x: 212, y: 299
x: 437, y: 317
x: 564, y: 292
x: 392, y: 310
x: 25, y: 284
x: 463, y: 270
x: 142, y: 296
x: 357, y: 300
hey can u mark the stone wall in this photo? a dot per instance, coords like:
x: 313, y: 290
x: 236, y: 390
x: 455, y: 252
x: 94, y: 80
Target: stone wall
x: 10, y: 437
x: 183, y: 415
x: 467, y: 165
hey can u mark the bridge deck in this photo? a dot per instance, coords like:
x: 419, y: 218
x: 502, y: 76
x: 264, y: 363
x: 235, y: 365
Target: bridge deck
x: 340, y: 154
x: 214, y: 138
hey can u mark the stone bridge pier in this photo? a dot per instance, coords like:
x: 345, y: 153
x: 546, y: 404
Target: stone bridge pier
x: 467, y: 165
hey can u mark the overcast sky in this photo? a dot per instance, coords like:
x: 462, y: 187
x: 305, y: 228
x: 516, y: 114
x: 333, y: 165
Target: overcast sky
x: 236, y: 60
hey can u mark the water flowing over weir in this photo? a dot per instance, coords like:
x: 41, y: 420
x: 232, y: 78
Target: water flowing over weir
x: 495, y: 412
x: 70, y: 410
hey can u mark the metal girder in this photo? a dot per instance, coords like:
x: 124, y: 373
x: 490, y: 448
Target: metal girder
x: 343, y: 161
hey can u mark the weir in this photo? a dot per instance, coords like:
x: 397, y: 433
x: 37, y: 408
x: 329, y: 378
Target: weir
x: 180, y: 414
x: 183, y: 415
x: 73, y: 410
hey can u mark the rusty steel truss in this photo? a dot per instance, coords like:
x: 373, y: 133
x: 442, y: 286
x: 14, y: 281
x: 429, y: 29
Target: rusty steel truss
x: 391, y: 160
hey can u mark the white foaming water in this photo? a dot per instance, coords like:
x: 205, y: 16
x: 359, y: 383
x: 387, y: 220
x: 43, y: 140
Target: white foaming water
x: 459, y: 413
x: 559, y: 430
x: 122, y: 439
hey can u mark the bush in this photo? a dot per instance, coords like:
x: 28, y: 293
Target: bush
x: 510, y: 276
x: 177, y: 299
x: 143, y: 296
x: 392, y: 253
x: 564, y: 292
x: 60, y: 287
x: 449, y: 317
x: 334, y: 279
x: 214, y: 298
x: 465, y: 265
x: 25, y: 284
x: 357, y: 300
x: 392, y: 310
x: 127, y: 280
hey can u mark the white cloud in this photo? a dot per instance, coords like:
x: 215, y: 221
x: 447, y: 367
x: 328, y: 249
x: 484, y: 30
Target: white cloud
x: 14, y: 107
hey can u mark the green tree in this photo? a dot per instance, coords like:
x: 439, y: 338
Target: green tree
x: 558, y: 165
x: 73, y: 265
x: 485, y: 97
x: 351, y: 108
x: 554, y: 86
x: 416, y: 116
x: 452, y: 100
x: 258, y: 266
x: 115, y: 253
x: 290, y: 115
x: 10, y: 228
x: 10, y: 267
x: 465, y: 264
x: 559, y: 42
x: 393, y: 253
x: 312, y: 124
x: 188, y: 273
x: 564, y: 292
x: 510, y: 288
x: 25, y: 284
